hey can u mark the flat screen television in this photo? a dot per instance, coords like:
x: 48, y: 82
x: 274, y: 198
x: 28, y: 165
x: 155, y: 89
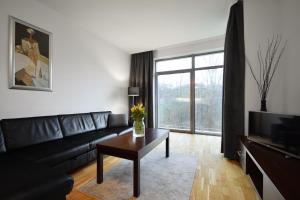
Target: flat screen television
x: 277, y: 131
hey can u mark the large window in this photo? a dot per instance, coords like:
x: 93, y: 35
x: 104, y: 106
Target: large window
x: 208, y: 100
x: 174, y: 101
x: 189, y: 93
x: 174, y: 64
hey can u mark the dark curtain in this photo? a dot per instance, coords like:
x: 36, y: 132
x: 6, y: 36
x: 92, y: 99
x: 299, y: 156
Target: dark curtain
x: 141, y: 75
x: 234, y: 82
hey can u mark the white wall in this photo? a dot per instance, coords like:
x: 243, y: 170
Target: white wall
x: 291, y: 31
x: 263, y: 18
x: 89, y: 74
x: 201, y: 46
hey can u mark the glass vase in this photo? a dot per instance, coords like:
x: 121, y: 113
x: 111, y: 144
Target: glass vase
x: 139, y: 128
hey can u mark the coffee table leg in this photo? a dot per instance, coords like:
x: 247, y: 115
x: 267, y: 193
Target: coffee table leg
x: 136, y: 178
x: 167, y: 147
x: 99, y: 167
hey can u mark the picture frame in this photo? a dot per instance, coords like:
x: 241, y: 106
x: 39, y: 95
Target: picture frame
x: 30, y: 56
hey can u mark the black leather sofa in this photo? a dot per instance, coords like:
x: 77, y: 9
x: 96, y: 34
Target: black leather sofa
x: 37, y: 153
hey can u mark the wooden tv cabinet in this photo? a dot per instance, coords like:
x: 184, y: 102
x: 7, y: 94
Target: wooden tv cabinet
x: 274, y: 175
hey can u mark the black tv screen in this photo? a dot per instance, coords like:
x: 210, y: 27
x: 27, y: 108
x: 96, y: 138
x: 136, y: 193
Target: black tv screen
x: 278, y: 131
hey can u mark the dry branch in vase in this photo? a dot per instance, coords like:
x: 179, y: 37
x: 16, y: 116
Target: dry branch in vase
x: 268, y: 65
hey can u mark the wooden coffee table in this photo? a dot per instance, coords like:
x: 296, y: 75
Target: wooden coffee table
x: 129, y: 147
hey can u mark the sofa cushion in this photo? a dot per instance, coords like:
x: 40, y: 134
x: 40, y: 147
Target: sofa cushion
x: 117, y: 120
x: 94, y: 137
x: 96, y: 140
x: 54, y: 152
x: 76, y: 124
x: 100, y: 119
x: 24, y: 132
x: 2, y: 144
x: 73, y: 164
x: 24, y: 180
x: 120, y: 130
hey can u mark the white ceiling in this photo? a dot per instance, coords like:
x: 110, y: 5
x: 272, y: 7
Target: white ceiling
x: 141, y: 25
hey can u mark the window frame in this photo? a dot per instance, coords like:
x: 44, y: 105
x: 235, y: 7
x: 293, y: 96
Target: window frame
x: 191, y: 71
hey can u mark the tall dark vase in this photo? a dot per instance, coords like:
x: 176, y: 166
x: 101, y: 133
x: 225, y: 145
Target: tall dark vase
x: 263, y: 105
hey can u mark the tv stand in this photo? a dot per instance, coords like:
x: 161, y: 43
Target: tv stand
x: 274, y: 176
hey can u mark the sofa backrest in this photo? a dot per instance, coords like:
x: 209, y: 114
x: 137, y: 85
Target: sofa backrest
x: 74, y: 124
x: 2, y: 144
x: 24, y: 132
x: 101, y: 119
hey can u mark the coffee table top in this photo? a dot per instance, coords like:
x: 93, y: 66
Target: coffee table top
x: 130, y: 147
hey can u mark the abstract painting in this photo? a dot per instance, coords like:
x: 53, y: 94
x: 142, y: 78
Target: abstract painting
x: 30, y: 56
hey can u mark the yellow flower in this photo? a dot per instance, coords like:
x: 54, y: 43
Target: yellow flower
x: 138, y: 111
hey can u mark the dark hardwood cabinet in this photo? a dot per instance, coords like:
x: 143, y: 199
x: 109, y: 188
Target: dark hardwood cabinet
x: 274, y: 175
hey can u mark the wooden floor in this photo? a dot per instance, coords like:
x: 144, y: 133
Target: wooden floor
x: 215, y: 178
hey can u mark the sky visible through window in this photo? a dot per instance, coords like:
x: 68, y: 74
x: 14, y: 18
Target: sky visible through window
x: 186, y: 63
x: 174, y: 64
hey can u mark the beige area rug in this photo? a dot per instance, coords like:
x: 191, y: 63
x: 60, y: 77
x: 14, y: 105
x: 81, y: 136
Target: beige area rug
x: 161, y: 178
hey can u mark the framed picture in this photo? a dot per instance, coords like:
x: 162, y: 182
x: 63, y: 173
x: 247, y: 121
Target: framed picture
x: 30, y: 56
